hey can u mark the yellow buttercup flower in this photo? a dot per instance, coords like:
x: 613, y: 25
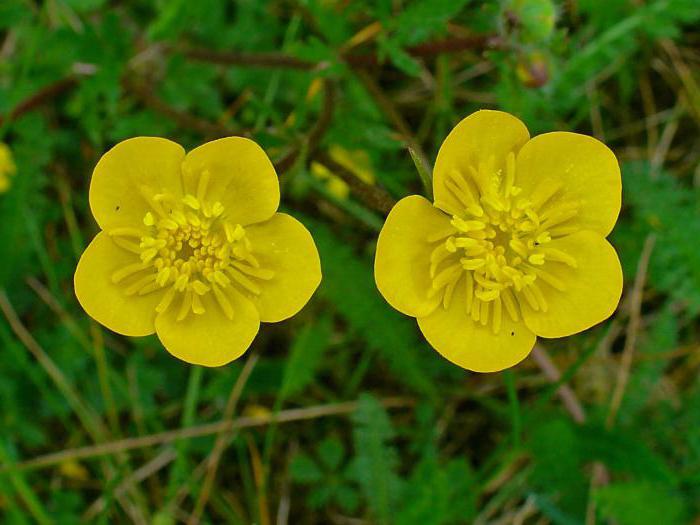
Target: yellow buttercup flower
x: 192, y: 247
x: 513, y: 247
x: 7, y: 167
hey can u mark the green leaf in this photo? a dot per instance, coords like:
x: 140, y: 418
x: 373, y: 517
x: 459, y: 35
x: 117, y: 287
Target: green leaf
x: 304, y: 469
x: 331, y: 452
x: 349, y: 285
x: 306, y: 356
x: 640, y: 504
x: 376, y: 460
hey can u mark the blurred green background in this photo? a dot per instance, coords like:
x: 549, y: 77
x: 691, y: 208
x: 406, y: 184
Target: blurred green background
x: 343, y: 414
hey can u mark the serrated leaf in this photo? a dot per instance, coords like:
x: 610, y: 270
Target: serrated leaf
x: 304, y: 469
x: 376, y: 459
x: 348, y: 283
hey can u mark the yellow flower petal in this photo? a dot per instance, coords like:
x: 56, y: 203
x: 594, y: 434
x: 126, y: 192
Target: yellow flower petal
x: 236, y: 172
x: 130, y: 171
x: 586, y: 169
x: 286, y: 247
x: 592, y: 289
x: 469, y: 344
x: 483, y: 137
x: 209, y: 338
x: 402, y: 261
x: 105, y: 301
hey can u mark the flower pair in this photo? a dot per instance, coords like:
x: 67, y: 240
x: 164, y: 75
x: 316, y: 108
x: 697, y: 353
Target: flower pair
x: 192, y: 248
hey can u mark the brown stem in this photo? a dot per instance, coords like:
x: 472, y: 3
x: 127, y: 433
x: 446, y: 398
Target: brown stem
x: 565, y: 393
x: 113, y: 447
x: 316, y: 134
x: 635, y: 311
x: 145, y: 94
x: 282, y: 60
x: 40, y: 97
x: 373, y: 196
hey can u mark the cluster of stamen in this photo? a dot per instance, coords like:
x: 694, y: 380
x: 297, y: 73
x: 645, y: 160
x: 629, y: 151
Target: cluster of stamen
x: 188, y: 249
x: 498, y: 240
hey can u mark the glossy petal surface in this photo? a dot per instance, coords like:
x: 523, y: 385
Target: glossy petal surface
x: 286, y: 247
x: 469, y: 344
x: 107, y: 302
x: 238, y: 174
x: 129, y: 173
x: 402, y: 261
x: 593, y: 288
x: 211, y: 338
x: 483, y: 137
x: 585, y: 169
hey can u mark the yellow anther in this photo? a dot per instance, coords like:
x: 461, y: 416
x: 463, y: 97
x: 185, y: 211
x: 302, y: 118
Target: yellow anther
x: 149, y: 219
x: 543, y: 238
x: 536, y: 258
x: 220, y: 278
x: 199, y: 287
x: 163, y: 276
x: 127, y: 271
x: 191, y: 201
x: 148, y: 254
x: 193, y: 219
x: 484, y: 313
x: 181, y: 282
x: 166, y: 300
x: 126, y: 232
x: 224, y: 302
x: 139, y: 285
x: 185, y: 306
x: 202, y: 184
x: 518, y: 247
x: 467, y: 225
x: 488, y: 295
x: 168, y: 224
x: 197, y: 306
x: 466, y: 242
x: 217, y: 209
x: 472, y: 264
x: 554, y: 254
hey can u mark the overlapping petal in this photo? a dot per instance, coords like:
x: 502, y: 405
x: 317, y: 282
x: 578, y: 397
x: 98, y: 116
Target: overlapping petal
x: 130, y: 172
x: 402, y: 261
x: 483, y: 137
x: 593, y: 287
x: 286, y: 247
x: 471, y: 345
x: 585, y: 169
x: 107, y: 302
x: 238, y: 174
x: 211, y: 338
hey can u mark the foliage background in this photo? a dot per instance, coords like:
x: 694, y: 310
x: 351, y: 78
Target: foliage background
x: 343, y: 415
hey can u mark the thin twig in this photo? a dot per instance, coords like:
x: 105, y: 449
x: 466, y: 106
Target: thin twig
x: 263, y: 60
x: 222, y: 439
x: 113, y: 447
x: 392, y: 113
x: 635, y: 310
x: 317, y: 132
x: 565, y: 392
x: 144, y: 471
x: 145, y: 94
x: 373, y: 196
x: 90, y: 419
x: 282, y: 60
x: 39, y: 98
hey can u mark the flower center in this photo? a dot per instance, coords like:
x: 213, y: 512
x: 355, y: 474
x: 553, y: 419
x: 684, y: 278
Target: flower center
x: 189, y: 249
x: 498, y: 239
